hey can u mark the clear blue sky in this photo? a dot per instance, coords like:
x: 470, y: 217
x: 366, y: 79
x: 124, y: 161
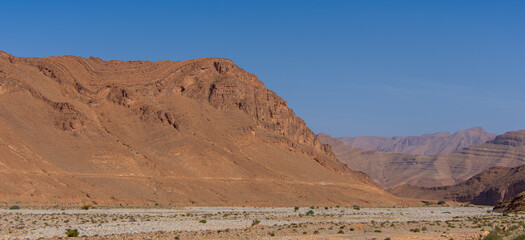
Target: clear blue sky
x: 347, y: 68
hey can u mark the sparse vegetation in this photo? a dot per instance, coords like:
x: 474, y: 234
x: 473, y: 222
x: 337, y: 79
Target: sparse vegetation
x: 85, y: 207
x: 14, y: 207
x: 255, y: 222
x: 494, y: 235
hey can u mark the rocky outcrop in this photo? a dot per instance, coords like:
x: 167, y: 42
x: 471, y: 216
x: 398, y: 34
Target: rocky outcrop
x: 428, y: 144
x: 513, y: 205
x: 82, y: 130
x: 394, y: 169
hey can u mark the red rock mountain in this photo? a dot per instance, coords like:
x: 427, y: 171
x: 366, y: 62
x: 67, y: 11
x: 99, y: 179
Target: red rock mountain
x: 394, y: 169
x: 428, y: 144
x: 202, y: 131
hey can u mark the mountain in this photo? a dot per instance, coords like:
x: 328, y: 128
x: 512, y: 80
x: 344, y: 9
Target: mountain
x: 86, y: 131
x: 487, y: 188
x: 394, y: 169
x: 428, y: 144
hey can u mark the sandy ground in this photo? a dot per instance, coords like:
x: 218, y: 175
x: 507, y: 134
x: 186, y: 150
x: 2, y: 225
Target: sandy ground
x: 254, y: 223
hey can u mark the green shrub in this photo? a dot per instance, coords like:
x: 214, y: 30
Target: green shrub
x: 72, y: 232
x: 14, y: 207
x: 295, y: 209
x: 203, y: 221
x: 493, y: 236
x: 255, y: 222
x: 85, y: 207
x: 341, y: 232
x: 441, y: 202
x: 310, y: 213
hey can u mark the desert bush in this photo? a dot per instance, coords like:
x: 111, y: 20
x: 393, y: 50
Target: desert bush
x: 255, y: 222
x: 203, y: 221
x: 295, y: 209
x: 14, y: 207
x: 72, y: 232
x: 341, y: 232
x: 310, y: 213
x: 441, y: 202
x: 85, y: 207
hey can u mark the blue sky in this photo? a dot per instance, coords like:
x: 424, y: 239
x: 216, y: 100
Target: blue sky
x: 347, y: 68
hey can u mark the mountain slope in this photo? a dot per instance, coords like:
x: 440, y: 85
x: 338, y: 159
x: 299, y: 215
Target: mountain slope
x: 394, y: 169
x: 428, y: 144
x: 203, y: 131
x: 487, y: 188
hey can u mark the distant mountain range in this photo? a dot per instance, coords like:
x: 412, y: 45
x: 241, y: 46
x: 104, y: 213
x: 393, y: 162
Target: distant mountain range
x: 395, y: 169
x: 428, y: 144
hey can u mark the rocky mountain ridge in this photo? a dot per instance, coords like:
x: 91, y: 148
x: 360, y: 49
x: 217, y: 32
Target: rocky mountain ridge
x: 204, y: 131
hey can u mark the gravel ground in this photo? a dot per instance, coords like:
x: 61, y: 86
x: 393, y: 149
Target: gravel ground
x: 236, y: 222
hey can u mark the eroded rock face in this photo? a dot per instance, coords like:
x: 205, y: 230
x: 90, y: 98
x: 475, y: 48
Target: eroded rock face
x: 515, y: 139
x: 203, y: 131
x: 515, y: 204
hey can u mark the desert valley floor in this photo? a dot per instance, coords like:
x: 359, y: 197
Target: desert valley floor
x: 439, y: 222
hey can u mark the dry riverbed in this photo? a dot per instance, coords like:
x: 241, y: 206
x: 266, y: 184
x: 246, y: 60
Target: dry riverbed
x: 256, y: 223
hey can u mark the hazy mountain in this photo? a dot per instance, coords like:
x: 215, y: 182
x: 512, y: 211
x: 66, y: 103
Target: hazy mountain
x: 394, y: 169
x: 428, y: 144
